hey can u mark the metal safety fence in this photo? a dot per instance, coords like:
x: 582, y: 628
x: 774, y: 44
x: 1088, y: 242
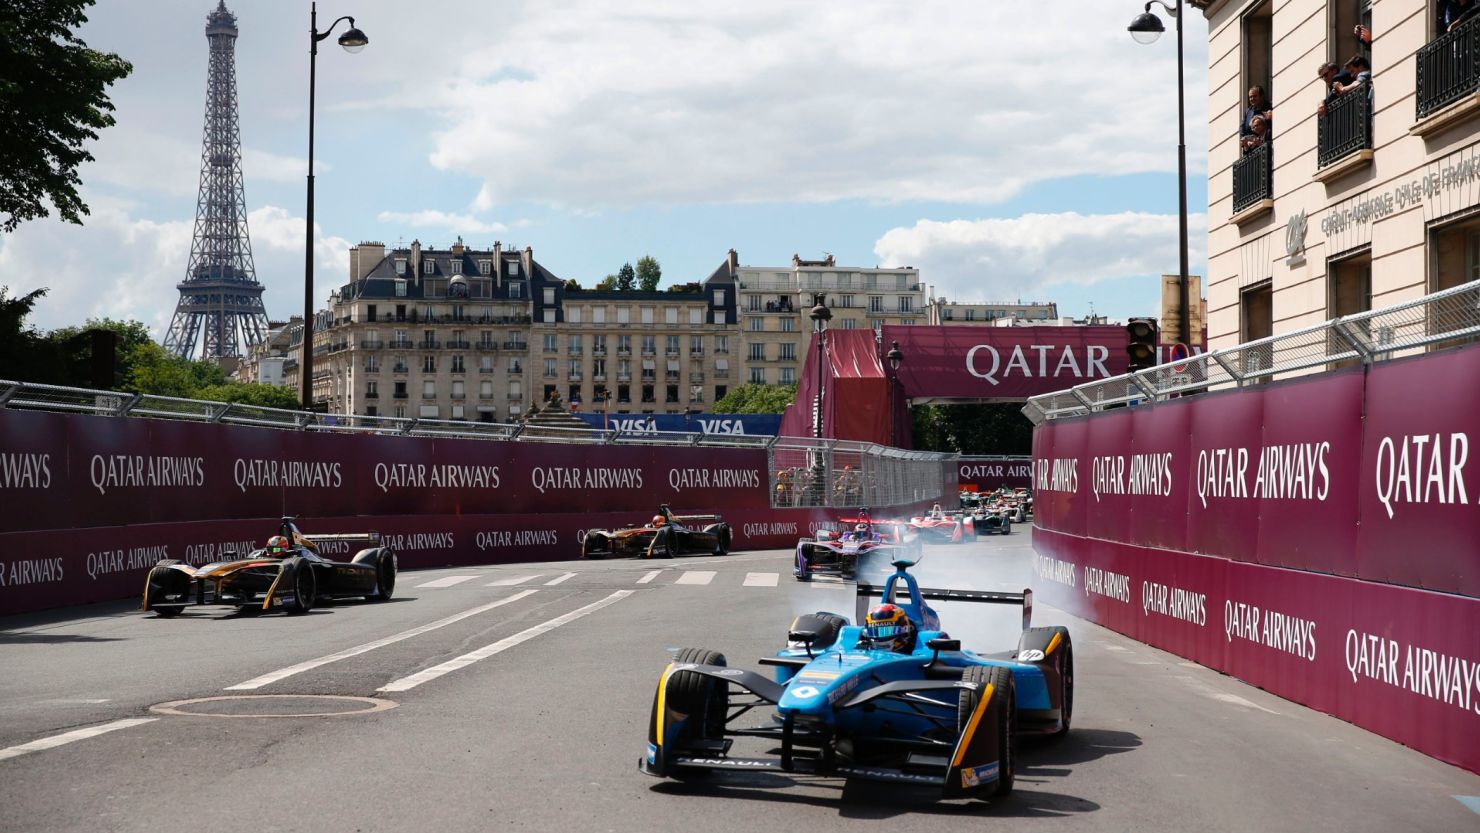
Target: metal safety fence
x: 1443, y: 319
x: 802, y: 472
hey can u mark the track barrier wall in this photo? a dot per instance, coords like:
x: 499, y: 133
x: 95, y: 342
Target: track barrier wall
x: 89, y: 503
x: 1318, y: 537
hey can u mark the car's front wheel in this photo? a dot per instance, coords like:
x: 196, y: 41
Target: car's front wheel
x: 385, y: 576
x: 305, y: 589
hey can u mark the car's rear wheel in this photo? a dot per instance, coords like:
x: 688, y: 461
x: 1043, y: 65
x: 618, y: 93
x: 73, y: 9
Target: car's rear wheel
x: 722, y: 542
x: 169, y: 591
x: 1066, y: 683
x: 305, y: 589
x: 665, y: 547
x: 1002, y: 717
x: 385, y: 576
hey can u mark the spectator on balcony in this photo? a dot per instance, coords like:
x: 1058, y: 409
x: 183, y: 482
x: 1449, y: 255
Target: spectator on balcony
x: 1259, y: 106
x: 1455, y: 12
x: 1258, y: 137
x: 1361, y: 71
x: 1332, y: 76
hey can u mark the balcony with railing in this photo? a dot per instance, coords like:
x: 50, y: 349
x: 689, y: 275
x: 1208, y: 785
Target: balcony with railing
x: 485, y: 346
x: 1448, y: 68
x: 1253, y: 180
x: 520, y: 346
x: 400, y: 368
x: 459, y: 345
x: 428, y: 344
x: 372, y: 344
x: 401, y: 344
x: 1344, y: 133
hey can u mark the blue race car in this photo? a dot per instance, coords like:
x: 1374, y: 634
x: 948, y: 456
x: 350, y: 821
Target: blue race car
x: 891, y: 699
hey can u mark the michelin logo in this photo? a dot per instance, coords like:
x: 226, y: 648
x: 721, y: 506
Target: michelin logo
x: 975, y: 776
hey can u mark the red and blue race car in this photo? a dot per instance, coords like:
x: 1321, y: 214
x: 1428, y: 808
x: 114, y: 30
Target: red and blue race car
x: 839, y: 552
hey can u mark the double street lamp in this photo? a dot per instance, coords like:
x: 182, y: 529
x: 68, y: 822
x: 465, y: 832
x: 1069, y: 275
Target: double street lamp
x: 353, y: 40
x: 1146, y: 28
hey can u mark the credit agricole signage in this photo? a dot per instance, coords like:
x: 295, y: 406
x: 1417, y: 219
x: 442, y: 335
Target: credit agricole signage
x: 1453, y: 172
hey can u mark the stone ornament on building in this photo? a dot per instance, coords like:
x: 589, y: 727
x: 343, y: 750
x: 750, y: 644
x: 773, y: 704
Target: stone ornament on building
x: 1295, y: 239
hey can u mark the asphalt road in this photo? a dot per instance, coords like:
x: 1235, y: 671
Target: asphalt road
x: 515, y: 698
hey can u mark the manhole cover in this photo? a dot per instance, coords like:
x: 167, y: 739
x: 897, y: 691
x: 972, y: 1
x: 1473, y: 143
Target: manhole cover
x: 275, y: 705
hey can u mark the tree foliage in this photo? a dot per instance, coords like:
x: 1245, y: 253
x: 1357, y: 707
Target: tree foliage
x: 626, y: 278
x: 756, y: 399
x: 53, y: 100
x: 571, y: 284
x: 649, y: 273
x: 972, y: 429
x: 607, y: 284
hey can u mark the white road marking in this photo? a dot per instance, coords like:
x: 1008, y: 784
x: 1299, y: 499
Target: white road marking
x: 696, y: 577
x: 554, y: 581
x: 70, y: 737
x: 761, y: 579
x: 268, y: 679
x: 648, y: 576
x: 414, y: 680
x: 510, y: 582
x: 445, y: 581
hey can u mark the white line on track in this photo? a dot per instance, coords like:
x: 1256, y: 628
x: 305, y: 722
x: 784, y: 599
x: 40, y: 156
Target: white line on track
x: 511, y: 581
x: 648, y: 576
x: 760, y: 579
x: 272, y: 677
x: 554, y: 581
x: 407, y: 683
x: 69, y: 737
x: 696, y: 577
x: 446, y: 581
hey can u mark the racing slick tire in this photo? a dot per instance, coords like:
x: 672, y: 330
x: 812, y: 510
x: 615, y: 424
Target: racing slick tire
x: 588, y: 551
x: 825, y: 625
x: 665, y: 549
x: 696, y: 694
x: 722, y: 542
x: 385, y: 576
x: 1063, y: 662
x: 1006, y: 526
x: 305, y: 589
x: 164, y: 581
x: 1000, y: 680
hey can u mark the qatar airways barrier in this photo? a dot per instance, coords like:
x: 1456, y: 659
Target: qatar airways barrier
x: 1276, y: 534
x: 88, y: 504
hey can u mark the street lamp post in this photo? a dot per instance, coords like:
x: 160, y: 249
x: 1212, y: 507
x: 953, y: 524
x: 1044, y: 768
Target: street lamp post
x: 1146, y: 28
x: 895, y: 358
x: 353, y: 40
x: 820, y: 315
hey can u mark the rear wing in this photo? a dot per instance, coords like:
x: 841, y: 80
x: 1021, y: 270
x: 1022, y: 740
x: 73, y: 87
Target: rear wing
x: 931, y: 594
x: 668, y: 513
x: 291, y: 530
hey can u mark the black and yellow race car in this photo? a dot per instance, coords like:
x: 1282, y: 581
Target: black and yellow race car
x: 665, y: 536
x: 288, y: 574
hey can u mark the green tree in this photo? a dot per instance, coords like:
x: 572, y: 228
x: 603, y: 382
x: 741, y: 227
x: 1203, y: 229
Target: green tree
x: 607, y: 284
x: 571, y: 284
x: 994, y: 428
x: 251, y: 393
x: 649, y: 273
x: 154, y: 371
x: 18, y: 342
x: 53, y: 99
x: 626, y: 278
x: 756, y: 399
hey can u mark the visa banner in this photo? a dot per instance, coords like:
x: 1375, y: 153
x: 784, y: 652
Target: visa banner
x: 765, y: 425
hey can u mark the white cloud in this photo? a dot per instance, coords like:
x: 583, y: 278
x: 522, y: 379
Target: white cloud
x: 652, y: 102
x: 120, y: 265
x: 1024, y: 257
x: 430, y: 218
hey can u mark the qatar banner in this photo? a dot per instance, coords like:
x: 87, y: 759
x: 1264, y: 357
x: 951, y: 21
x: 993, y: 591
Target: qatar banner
x: 987, y: 474
x: 1008, y: 363
x: 1401, y: 662
x: 61, y: 471
x: 1365, y: 475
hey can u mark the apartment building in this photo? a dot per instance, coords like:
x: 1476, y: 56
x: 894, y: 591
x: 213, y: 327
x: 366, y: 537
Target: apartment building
x: 774, y: 301
x: 947, y: 313
x: 1372, y: 202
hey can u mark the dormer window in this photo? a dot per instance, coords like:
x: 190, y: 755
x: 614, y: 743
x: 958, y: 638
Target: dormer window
x: 513, y: 268
x: 400, y: 288
x: 400, y: 266
x: 456, y: 266
x: 428, y: 267
x: 516, y: 289
x: 485, y: 267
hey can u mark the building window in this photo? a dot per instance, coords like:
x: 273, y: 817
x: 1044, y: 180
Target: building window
x: 598, y: 314
x: 549, y: 295
x: 372, y: 390
x: 753, y: 303
x: 788, y: 325
x: 400, y: 266
x: 696, y: 393
x: 649, y: 369
x: 757, y: 352
x: 372, y: 364
x: 849, y: 323
x: 429, y: 389
x: 428, y: 364
x: 624, y: 394
x: 400, y: 391
x: 757, y: 324
x: 624, y: 345
x: 788, y: 375
x: 516, y: 289
x: 457, y: 364
x: 550, y: 368
x: 647, y: 394
x: 906, y: 303
x: 429, y: 412
x: 722, y: 344
x: 485, y: 389
x: 670, y: 393
x: 1258, y: 51
x: 647, y: 315
x: 876, y: 303
x: 513, y: 268
x: 459, y: 389
x: 720, y: 391
x: 573, y: 344
x: 624, y: 315
x: 485, y: 267
x: 696, y: 315
x: 550, y: 343
x: 670, y: 315
x: 649, y: 345
x: 719, y: 298
x: 572, y: 315
x: 456, y: 264
x: 400, y: 288
x: 696, y: 345
x: 575, y: 368
x: 598, y: 344
x: 848, y: 301
x: 1348, y: 291
x: 514, y: 366
x: 788, y: 352
x: 671, y: 343
x: 757, y: 375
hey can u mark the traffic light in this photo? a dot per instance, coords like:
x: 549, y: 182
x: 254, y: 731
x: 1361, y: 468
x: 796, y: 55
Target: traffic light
x: 1141, y: 343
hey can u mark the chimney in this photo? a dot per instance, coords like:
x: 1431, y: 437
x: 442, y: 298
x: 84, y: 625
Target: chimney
x: 796, y: 259
x: 457, y: 248
x: 364, y: 257
x: 526, y: 261
x: 416, y: 261
x: 734, y: 261
x: 830, y: 261
x: 498, y: 263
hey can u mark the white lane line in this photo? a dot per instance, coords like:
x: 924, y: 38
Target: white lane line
x: 760, y: 579
x: 648, y: 576
x: 554, y: 581
x: 71, y: 737
x: 696, y: 577
x: 510, y: 582
x: 414, y: 680
x: 446, y: 581
x: 272, y: 677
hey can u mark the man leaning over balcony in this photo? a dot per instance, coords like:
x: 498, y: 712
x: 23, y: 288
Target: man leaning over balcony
x: 1455, y: 12
x: 1333, y: 77
x: 1361, y: 71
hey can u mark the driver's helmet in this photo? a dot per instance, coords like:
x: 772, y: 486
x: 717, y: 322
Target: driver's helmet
x: 659, y: 520
x: 935, y: 511
x: 277, y: 546
x: 887, y: 628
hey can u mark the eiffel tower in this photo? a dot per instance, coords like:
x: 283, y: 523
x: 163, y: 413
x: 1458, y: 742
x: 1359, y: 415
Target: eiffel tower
x: 220, y: 296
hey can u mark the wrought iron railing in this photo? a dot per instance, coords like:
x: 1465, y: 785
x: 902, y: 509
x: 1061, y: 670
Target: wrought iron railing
x: 1448, y: 68
x: 1252, y: 179
x: 1346, y: 127
x: 1443, y: 319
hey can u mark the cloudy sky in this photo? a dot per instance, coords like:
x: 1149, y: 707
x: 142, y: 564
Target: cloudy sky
x: 1008, y: 150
